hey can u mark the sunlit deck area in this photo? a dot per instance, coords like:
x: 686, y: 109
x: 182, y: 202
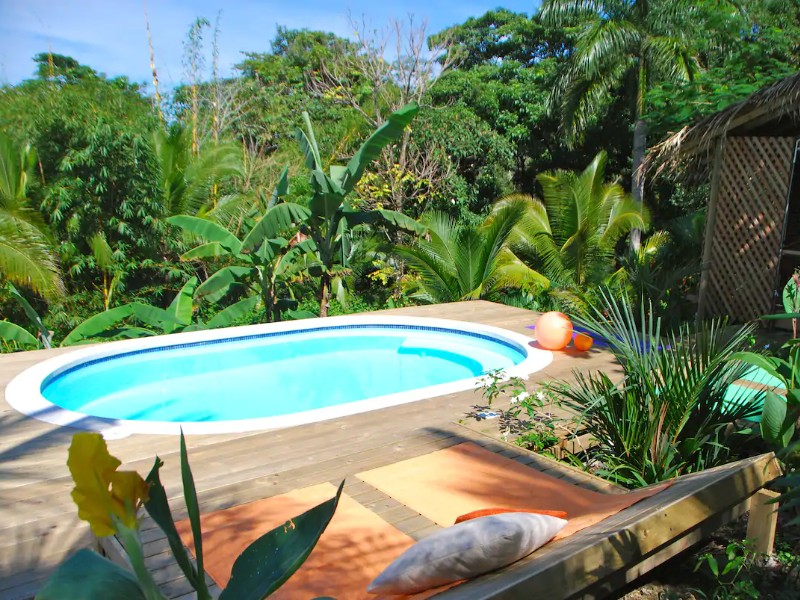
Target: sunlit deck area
x: 39, y: 521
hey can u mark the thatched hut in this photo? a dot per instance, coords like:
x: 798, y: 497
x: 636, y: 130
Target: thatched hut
x: 751, y: 153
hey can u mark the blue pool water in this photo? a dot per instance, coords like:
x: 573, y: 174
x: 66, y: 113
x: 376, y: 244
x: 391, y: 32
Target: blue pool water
x: 274, y: 374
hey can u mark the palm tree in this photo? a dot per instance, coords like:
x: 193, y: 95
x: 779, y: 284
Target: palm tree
x: 466, y: 262
x: 571, y: 235
x: 26, y: 253
x: 621, y: 42
x: 188, y: 183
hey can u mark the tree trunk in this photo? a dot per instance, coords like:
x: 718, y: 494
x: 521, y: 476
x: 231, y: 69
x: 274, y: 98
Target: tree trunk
x: 637, y: 179
x: 324, y: 294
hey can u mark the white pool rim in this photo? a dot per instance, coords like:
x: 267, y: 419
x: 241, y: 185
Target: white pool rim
x: 24, y: 393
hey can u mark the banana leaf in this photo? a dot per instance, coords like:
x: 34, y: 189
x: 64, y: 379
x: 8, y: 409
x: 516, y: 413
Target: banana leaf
x: 32, y: 314
x: 11, y: 332
x: 268, y: 562
x: 276, y: 220
x: 386, y: 134
x: 234, y: 312
x: 385, y: 217
x: 207, y: 230
x: 86, y: 576
x: 220, y: 283
x: 308, y: 144
x: 99, y: 323
x: 154, y: 316
x: 208, y: 250
x: 281, y: 189
x: 182, y: 306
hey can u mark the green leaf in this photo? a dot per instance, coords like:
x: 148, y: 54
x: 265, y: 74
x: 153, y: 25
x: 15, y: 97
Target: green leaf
x: 780, y: 317
x: 192, y: 507
x: 182, y: 306
x: 308, y: 144
x: 220, y: 283
x: 234, y: 312
x: 209, y: 250
x: 759, y: 361
x: 386, y: 134
x: 157, y: 506
x: 277, y: 219
x: 32, y: 314
x: 297, y: 315
x: 338, y: 174
x: 11, y: 332
x: 207, y: 230
x: 391, y: 218
x: 154, y: 316
x: 94, y: 326
x: 281, y: 189
x: 268, y: 562
x: 773, y: 417
x: 87, y: 576
x: 791, y: 297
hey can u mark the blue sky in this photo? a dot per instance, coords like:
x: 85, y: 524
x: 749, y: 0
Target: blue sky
x: 110, y: 35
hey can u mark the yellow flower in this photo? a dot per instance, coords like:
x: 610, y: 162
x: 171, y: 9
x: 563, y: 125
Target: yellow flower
x: 100, y: 490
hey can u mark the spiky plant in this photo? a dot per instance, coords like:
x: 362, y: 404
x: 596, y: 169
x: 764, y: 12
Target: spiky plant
x: 464, y: 262
x: 674, y: 410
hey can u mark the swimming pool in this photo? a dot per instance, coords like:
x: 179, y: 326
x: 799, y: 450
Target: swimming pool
x: 266, y: 376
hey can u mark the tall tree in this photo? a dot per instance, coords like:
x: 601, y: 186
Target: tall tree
x: 634, y: 43
x: 375, y: 87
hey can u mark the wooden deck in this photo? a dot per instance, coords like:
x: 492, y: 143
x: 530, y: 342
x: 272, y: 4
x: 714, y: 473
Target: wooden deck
x: 38, y: 520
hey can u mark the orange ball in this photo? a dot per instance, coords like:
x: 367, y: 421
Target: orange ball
x: 583, y: 342
x: 553, y: 330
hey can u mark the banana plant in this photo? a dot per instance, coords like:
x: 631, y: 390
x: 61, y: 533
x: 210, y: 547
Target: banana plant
x: 14, y: 336
x: 331, y: 215
x: 132, y: 320
x: 262, y: 260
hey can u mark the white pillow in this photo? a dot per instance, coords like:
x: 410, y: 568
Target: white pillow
x: 466, y: 550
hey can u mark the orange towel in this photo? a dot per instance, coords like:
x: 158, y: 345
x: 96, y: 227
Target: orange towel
x: 448, y: 483
x: 355, y: 548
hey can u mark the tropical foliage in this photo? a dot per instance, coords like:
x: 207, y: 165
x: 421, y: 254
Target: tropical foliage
x: 674, y: 411
x: 27, y: 256
x: 110, y: 501
x: 571, y: 236
x: 468, y: 262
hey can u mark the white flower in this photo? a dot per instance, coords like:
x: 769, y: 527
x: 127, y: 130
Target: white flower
x: 519, y: 398
x: 540, y: 396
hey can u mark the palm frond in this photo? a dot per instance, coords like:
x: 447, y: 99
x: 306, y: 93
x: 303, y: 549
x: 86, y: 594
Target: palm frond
x: 27, y: 259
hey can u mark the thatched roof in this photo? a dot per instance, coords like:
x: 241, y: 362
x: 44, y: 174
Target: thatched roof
x: 773, y: 110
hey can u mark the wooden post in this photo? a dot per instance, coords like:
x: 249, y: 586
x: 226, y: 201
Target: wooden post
x: 763, y: 521
x: 711, y: 218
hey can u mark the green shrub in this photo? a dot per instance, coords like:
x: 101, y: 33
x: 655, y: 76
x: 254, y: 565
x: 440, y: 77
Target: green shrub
x: 673, y: 411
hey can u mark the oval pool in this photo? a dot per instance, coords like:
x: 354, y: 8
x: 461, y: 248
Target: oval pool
x: 266, y: 376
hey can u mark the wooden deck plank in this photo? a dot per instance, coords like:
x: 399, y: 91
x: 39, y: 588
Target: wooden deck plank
x: 38, y: 521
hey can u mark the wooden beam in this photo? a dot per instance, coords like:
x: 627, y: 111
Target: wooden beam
x: 711, y: 219
x: 763, y: 521
x: 568, y: 567
x: 681, y: 544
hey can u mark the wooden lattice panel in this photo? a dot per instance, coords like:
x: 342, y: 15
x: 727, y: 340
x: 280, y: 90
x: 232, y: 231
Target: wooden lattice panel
x: 746, y: 236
